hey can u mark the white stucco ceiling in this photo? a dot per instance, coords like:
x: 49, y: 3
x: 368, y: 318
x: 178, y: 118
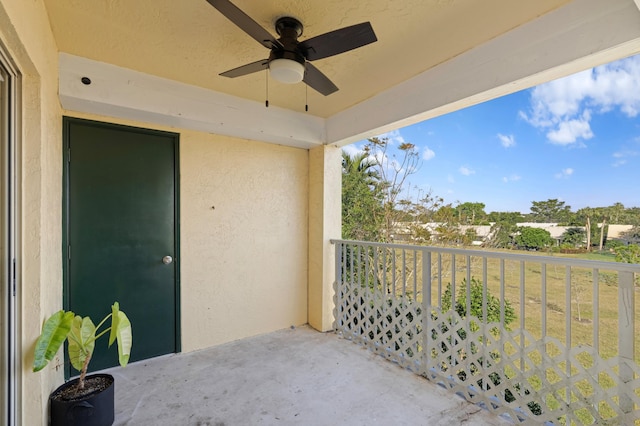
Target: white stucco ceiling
x: 430, y: 56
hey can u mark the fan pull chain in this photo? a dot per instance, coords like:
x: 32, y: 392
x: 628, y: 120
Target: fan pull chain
x: 266, y: 81
x: 306, y: 97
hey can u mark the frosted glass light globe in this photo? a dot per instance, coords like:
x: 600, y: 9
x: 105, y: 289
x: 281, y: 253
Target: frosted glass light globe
x: 286, y: 71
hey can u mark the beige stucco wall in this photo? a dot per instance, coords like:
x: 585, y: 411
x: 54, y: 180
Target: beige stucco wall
x: 25, y: 32
x: 243, y: 238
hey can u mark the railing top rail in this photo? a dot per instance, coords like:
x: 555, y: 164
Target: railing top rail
x: 594, y: 264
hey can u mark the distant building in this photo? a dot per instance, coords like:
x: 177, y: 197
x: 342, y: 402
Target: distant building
x: 402, y: 231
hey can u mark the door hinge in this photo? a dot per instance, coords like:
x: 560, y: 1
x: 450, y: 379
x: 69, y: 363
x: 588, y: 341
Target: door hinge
x: 69, y: 155
x: 69, y: 252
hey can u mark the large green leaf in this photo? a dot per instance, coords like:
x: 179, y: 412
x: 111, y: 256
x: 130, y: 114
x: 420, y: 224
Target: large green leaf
x: 81, y: 341
x: 115, y: 308
x: 124, y: 336
x: 121, y: 331
x: 54, y: 333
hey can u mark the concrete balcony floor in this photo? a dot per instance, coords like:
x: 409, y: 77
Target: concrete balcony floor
x: 289, y: 377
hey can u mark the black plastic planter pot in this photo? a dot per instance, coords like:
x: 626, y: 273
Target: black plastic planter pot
x: 96, y: 408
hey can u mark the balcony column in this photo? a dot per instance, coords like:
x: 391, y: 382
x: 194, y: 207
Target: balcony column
x: 325, y: 197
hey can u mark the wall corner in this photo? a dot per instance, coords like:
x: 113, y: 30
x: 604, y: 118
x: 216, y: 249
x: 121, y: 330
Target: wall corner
x: 325, y: 223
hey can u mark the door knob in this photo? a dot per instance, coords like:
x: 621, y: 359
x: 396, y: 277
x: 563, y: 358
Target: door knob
x: 167, y: 260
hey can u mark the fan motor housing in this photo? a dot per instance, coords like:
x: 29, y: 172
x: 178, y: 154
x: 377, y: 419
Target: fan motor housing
x: 289, y: 27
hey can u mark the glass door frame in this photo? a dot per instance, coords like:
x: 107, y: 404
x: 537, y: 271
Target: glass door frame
x: 10, y: 94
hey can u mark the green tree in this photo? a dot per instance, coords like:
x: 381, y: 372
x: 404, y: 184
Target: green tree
x: 574, y: 236
x: 552, y: 210
x: 446, y: 213
x: 362, y: 211
x: 493, y: 310
x: 394, y: 170
x: 595, y: 223
x: 469, y: 236
x: 418, y: 213
x: 501, y: 235
x: 471, y: 213
x: 362, y: 165
x: 632, y: 216
x: 506, y: 217
x: 632, y: 235
x: 628, y: 254
x: 476, y: 291
x: 616, y: 213
x: 503, y: 229
x: 533, y: 238
x: 448, y: 230
x: 377, y: 198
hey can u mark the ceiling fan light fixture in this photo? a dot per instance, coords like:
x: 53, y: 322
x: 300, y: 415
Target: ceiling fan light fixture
x: 286, y: 70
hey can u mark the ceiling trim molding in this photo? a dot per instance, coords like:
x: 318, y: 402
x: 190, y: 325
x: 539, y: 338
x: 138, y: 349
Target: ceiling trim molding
x: 580, y: 35
x: 124, y: 93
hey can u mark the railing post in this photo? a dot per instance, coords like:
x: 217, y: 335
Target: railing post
x: 426, y: 309
x: 626, y: 336
x: 336, y: 285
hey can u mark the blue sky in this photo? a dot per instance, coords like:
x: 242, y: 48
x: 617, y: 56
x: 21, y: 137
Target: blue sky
x: 576, y: 139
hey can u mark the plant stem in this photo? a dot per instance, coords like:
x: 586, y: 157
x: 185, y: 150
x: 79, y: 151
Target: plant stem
x: 83, y: 373
x: 103, y: 321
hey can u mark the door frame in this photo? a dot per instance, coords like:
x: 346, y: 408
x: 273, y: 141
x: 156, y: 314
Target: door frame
x: 66, y: 153
x: 10, y: 238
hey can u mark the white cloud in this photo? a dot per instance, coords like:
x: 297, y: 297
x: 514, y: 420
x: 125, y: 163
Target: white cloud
x: 568, y: 132
x: 565, y: 173
x: 564, y: 107
x: 352, y: 150
x: 622, y: 157
x: 394, y: 137
x: 466, y: 171
x: 427, y: 154
x: 512, y: 178
x: 507, y: 141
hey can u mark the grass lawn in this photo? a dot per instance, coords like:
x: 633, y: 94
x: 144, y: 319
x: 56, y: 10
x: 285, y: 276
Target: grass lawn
x: 604, y: 256
x: 565, y: 291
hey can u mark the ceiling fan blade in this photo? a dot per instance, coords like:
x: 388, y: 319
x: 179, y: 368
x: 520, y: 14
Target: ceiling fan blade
x: 338, y: 41
x: 246, y: 24
x: 318, y: 81
x: 247, y: 69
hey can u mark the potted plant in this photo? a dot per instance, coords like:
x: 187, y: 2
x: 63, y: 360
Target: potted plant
x: 86, y: 400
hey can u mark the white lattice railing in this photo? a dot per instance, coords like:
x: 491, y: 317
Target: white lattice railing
x: 568, y: 356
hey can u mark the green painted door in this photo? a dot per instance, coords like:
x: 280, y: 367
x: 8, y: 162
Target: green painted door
x: 121, y: 221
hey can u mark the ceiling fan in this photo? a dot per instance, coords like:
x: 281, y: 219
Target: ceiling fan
x: 289, y: 60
